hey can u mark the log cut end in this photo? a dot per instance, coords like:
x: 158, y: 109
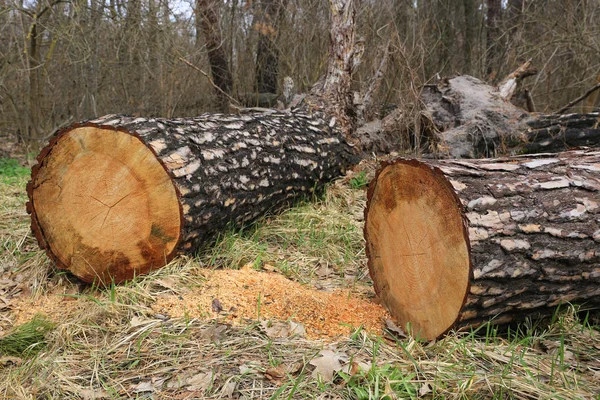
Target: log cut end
x: 417, y: 247
x: 103, y: 205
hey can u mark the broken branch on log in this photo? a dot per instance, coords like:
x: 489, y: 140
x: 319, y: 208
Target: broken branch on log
x: 580, y: 98
x: 453, y: 243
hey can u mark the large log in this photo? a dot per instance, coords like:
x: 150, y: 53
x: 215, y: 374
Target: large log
x: 118, y: 196
x: 452, y: 243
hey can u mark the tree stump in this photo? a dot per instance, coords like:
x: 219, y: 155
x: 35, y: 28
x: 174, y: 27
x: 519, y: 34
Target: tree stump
x: 452, y: 243
x: 120, y: 196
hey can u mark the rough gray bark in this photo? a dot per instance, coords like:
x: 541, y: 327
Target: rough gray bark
x: 228, y: 169
x: 533, y: 233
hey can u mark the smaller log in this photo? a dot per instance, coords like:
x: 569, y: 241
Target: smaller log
x: 455, y: 243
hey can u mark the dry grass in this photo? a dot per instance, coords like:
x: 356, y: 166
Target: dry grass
x: 110, y: 343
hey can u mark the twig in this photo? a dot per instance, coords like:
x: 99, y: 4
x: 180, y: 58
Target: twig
x: 577, y: 100
x: 209, y: 79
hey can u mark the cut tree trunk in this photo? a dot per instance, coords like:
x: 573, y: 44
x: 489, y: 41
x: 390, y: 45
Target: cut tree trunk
x: 119, y: 196
x: 454, y: 243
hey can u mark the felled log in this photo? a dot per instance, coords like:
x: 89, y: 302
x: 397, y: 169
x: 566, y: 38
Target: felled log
x: 552, y: 133
x: 471, y: 119
x: 454, y: 243
x: 119, y: 196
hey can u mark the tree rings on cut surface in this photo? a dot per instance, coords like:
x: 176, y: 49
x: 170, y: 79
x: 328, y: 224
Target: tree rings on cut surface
x: 417, y: 246
x: 103, y: 205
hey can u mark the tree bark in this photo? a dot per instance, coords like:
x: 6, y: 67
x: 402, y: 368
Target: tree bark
x: 453, y: 243
x: 119, y: 196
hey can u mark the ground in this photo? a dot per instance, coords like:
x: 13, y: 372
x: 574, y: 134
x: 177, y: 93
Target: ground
x: 282, y: 309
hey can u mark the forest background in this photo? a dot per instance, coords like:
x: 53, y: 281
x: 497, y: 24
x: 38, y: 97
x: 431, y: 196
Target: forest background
x: 64, y: 61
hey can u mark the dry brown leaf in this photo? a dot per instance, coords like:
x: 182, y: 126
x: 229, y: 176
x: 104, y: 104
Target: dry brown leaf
x: 328, y: 364
x: 145, y: 386
x: 93, y: 394
x: 214, y: 333
x: 395, y: 329
x: 282, y: 370
x: 216, y: 305
x: 199, y: 382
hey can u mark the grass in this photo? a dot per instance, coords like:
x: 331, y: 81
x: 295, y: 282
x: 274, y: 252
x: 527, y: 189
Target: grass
x: 115, y: 346
x: 26, y: 339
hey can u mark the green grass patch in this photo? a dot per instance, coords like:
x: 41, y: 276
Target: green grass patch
x: 359, y: 181
x: 11, y: 171
x: 26, y: 339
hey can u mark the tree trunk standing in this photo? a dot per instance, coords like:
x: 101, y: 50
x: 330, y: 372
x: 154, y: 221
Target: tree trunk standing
x: 119, y: 196
x: 207, y: 22
x: 131, y: 57
x: 455, y: 243
x: 269, y: 14
x: 494, y: 10
x: 469, y: 32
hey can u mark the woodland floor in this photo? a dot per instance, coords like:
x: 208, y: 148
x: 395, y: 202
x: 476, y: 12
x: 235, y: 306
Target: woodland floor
x: 283, y: 309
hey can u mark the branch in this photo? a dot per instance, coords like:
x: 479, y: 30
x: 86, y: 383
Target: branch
x: 577, y: 100
x: 209, y: 79
x: 509, y: 85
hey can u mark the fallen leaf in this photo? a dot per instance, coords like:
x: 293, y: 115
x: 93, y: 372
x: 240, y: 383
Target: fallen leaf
x: 282, y: 370
x: 93, y: 394
x: 200, y: 381
x: 217, y: 306
x: 328, y: 364
x: 425, y: 389
x: 282, y: 329
x: 145, y: 386
x: 395, y: 329
x: 214, y: 333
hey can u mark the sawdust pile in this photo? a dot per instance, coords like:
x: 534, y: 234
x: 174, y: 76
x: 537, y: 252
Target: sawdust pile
x: 237, y: 297
x: 247, y: 294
